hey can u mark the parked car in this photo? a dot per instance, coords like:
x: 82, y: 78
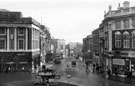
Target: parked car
x: 73, y: 63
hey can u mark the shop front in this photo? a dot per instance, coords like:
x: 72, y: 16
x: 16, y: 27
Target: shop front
x: 15, y: 61
x: 120, y: 66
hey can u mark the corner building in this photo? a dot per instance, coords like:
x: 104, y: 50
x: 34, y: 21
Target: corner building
x: 19, y: 41
x: 119, y: 39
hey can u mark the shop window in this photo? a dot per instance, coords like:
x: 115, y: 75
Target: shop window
x: 2, y: 43
x: 117, y: 40
x: 126, y: 39
x: 20, y: 44
x: 133, y: 39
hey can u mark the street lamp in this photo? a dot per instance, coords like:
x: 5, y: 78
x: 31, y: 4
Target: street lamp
x: 69, y: 77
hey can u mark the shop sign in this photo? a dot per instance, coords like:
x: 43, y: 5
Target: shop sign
x: 118, y: 61
x: 131, y: 54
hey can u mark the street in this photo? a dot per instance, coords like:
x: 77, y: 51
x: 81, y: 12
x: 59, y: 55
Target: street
x: 78, y: 76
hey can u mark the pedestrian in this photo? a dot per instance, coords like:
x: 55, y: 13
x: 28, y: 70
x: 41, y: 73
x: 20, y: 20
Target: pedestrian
x: 115, y: 71
x: 109, y: 72
x: 93, y: 68
x: 6, y: 70
x: 68, y: 66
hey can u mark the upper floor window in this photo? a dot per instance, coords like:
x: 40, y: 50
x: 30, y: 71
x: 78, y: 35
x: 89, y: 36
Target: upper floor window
x: 20, y: 44
x: 2, y: 43
x: 20, y: 31
x: 118, y: 24
x: 126, y: 39
x: 117, y: 40
x: 133, y: 39
x: 126, y: 23
x: 133, y: 22
x: 2, y: 31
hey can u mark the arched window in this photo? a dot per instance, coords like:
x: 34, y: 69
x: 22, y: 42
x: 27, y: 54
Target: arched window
x: 126, y: 39
x: 133, y: 39
x: 117, y: 39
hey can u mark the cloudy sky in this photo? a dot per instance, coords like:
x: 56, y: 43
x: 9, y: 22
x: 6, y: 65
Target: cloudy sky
x: 71, y: 20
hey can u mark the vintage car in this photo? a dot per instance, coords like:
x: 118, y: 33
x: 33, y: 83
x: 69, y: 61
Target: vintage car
x: 73, y: 63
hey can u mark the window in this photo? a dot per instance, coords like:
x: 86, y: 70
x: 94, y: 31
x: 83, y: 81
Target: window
x: 2, y: 31
x: 20, y: 44
x: 2, y: 44
x: 126, y: 40
x: 106, y: 41
x: 118, y: 24
x: 117, y: 40
x: 126, y: 23
x: 20, y: 31
x: 133, y: 39
x: 133, y: 22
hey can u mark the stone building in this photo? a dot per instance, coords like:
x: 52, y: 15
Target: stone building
x: 20, y: 41
x: 95, y: 49
x: 118, y: 39
x: 87, y: 48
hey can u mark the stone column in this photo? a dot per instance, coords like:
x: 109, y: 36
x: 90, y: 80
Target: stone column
x: 130, y: 24
x: 7, y: 38
x: 26, y: 39
x: 15, y: 39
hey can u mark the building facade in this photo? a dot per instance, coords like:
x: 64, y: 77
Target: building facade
x: 45, y: 44
x: 118, y: 29
x: 87, y: 49
x: 59, y: 47
x: 78, y: 49
x: 95, y: 49
x: 19, y: 41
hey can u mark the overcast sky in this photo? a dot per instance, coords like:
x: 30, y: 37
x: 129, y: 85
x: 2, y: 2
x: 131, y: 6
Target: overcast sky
x: 71, y: 20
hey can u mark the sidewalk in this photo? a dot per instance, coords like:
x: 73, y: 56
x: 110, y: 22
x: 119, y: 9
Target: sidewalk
x: 111, y: 77
x: 120, y: 79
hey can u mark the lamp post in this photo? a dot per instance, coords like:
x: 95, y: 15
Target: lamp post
x: 69, y: 77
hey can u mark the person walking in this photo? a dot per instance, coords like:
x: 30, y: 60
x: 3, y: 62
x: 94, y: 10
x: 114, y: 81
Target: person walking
x: 87, y: 66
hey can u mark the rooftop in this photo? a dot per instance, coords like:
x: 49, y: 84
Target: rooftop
x: 125, y: 10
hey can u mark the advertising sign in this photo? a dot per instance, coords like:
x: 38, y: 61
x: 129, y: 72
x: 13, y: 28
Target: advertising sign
x: 119, y: 61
